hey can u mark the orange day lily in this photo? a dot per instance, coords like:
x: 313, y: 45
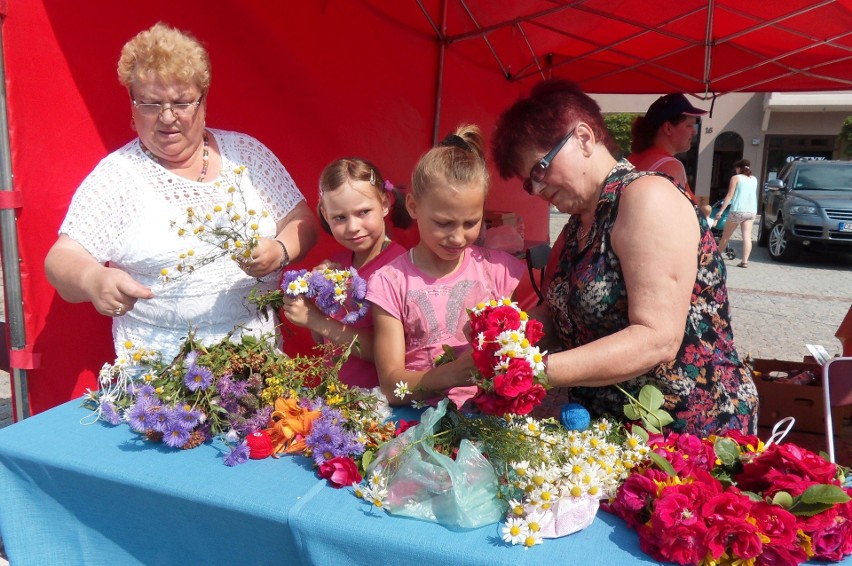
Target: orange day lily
x: 290, y: 424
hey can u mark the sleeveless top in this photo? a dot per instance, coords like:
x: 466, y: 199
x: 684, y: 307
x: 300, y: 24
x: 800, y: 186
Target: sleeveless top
x: 745, y: 195
x: 707, y: 388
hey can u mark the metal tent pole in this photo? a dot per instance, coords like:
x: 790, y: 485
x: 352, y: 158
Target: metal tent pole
x: 11, y: 258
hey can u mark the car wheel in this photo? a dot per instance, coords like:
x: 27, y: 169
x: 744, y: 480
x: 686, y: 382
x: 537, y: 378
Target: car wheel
x: 780, y: 247
x: 762, y: 233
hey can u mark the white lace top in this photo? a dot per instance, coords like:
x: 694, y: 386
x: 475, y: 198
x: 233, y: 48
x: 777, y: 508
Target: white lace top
x: 123, y: 213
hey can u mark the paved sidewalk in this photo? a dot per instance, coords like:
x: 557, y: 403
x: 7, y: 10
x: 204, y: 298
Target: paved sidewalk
x: 777, y: 308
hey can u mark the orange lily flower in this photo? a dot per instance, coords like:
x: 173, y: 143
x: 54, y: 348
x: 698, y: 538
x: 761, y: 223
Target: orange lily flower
x: 290, y: 425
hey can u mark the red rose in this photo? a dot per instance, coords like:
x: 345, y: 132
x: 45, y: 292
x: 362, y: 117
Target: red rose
x: 484, y: 362
x: 534, y: 331
x: 524, y: 403
x: 340, y: 471
x: 260, y: 445
x: 504, y: 318
x: 517, y: 379
x: 404, y: 425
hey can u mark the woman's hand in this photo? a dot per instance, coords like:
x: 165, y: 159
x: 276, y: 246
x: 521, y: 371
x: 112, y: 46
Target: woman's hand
x: 266, y: 257
x: 79, y: 277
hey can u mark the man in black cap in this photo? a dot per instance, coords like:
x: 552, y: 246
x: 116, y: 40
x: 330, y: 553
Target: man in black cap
x: 666, y: 129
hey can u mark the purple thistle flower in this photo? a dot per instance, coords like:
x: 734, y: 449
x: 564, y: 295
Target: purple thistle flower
x: 318, y: 284
x: 259, y: 421
x: 357, y: 286
x: 239, y: 389
x: 198, y: 377
x: 224, y: 384
x: 109, y: 414
x: 239, y: 454
x: 175, y: 436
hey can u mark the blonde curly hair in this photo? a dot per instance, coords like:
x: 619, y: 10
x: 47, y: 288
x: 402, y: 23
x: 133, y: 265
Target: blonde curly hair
x: 166, y: 53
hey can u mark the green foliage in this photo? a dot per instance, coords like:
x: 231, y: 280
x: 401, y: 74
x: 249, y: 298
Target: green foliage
x: 619, y: 128
x: 647, y: 408
x: 846, y: 137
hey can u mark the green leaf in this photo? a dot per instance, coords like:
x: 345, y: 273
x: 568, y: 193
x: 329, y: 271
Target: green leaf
x: 641, y: 433
x: 824, y: 494
x: 366, y: 458
x: 662, y: 463
x: 808, y: 509
x: 661, y: 417
x: 727, y: 451
x: 649, y: 425
x: 631, y: 413
x: 651, y: 397
x: 783, y: 499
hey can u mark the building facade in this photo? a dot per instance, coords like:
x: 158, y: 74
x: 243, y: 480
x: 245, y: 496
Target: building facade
x: 768, y: 129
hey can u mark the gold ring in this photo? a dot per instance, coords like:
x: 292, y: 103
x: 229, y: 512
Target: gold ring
x: 119, y: 310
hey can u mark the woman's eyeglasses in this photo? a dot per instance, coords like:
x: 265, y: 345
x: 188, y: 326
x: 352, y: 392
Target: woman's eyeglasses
x: 532, y: 185
x: 179, y: 109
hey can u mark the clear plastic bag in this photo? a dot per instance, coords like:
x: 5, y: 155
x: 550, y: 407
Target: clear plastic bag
x: 425, y: 484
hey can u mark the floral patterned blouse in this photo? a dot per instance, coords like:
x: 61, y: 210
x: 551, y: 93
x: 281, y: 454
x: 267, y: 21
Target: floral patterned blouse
x: 707, y: 388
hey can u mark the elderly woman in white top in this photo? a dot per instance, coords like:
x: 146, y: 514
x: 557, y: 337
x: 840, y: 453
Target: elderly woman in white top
x: 120, y: 245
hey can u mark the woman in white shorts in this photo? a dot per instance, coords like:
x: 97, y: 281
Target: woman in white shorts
x: 742, y: 198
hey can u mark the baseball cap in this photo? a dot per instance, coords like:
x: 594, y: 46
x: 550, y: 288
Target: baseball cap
x: 669, y: 107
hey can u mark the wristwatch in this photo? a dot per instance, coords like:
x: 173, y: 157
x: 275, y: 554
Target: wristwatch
x: 285, y: 256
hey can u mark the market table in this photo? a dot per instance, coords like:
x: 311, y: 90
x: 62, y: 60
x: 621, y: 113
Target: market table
x: 98, y: 494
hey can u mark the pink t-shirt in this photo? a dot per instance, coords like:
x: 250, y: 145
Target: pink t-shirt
x: 356, y: 371
x: 434, y: 311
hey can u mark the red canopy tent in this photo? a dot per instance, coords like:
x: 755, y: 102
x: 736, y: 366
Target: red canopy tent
x: 318, y: 80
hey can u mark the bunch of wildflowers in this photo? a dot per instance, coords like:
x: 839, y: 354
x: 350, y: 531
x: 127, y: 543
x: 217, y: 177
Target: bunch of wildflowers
x: 338, y: 293
x: 230, y: 228
x: 205, y: 391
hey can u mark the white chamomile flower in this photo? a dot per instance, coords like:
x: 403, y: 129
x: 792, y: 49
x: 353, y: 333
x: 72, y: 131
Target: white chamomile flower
x: 532, y: 426
x: 533, y: 538
x: 521, y: 468
x: 516, y: 507
x: 515, y: 530
x: 418, y: 404
x: 401, y: 390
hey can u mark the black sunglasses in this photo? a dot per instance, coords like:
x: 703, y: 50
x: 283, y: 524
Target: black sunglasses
x: 539, y: 170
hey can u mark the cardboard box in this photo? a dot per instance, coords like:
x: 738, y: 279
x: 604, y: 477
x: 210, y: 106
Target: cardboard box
x: 802, y: 402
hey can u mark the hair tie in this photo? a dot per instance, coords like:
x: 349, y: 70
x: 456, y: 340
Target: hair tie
x: 373, y: 178
x: 454, y: 140
x: 388, y: 186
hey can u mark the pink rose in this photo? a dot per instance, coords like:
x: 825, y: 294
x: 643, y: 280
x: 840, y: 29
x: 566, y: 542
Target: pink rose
x: 340, y: 471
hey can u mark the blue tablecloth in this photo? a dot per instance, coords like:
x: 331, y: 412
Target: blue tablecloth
x: 100, y: 494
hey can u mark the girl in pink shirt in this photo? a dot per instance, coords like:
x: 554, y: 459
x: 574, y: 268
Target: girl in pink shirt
x: 420, y: 299
x: 354, y: 201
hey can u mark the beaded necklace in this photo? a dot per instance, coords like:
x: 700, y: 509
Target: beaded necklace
x: 205, y: 157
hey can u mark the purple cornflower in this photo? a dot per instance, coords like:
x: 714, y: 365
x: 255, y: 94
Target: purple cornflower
x: 162, y: 417
x: 319, y: 285
x: 175, y: 436
x: 109, y: 414
x: 239, y: 454
x: 259, y: 421
x: 198, y: 377
x: 354, y: 316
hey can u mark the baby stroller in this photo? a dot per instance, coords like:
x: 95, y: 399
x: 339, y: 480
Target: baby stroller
x: 719, y: 226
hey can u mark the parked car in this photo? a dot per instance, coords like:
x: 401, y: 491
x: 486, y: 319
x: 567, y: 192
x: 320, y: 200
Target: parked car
x: 808, y: 205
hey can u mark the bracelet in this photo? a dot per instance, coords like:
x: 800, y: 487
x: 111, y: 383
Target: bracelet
x: 285, y: 257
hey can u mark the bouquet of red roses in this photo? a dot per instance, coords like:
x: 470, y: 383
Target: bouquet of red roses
x: 510, y: 367
x: 725, y: 500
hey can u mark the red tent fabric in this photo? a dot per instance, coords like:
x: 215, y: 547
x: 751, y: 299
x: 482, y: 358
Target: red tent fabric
x: 320, y: 80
